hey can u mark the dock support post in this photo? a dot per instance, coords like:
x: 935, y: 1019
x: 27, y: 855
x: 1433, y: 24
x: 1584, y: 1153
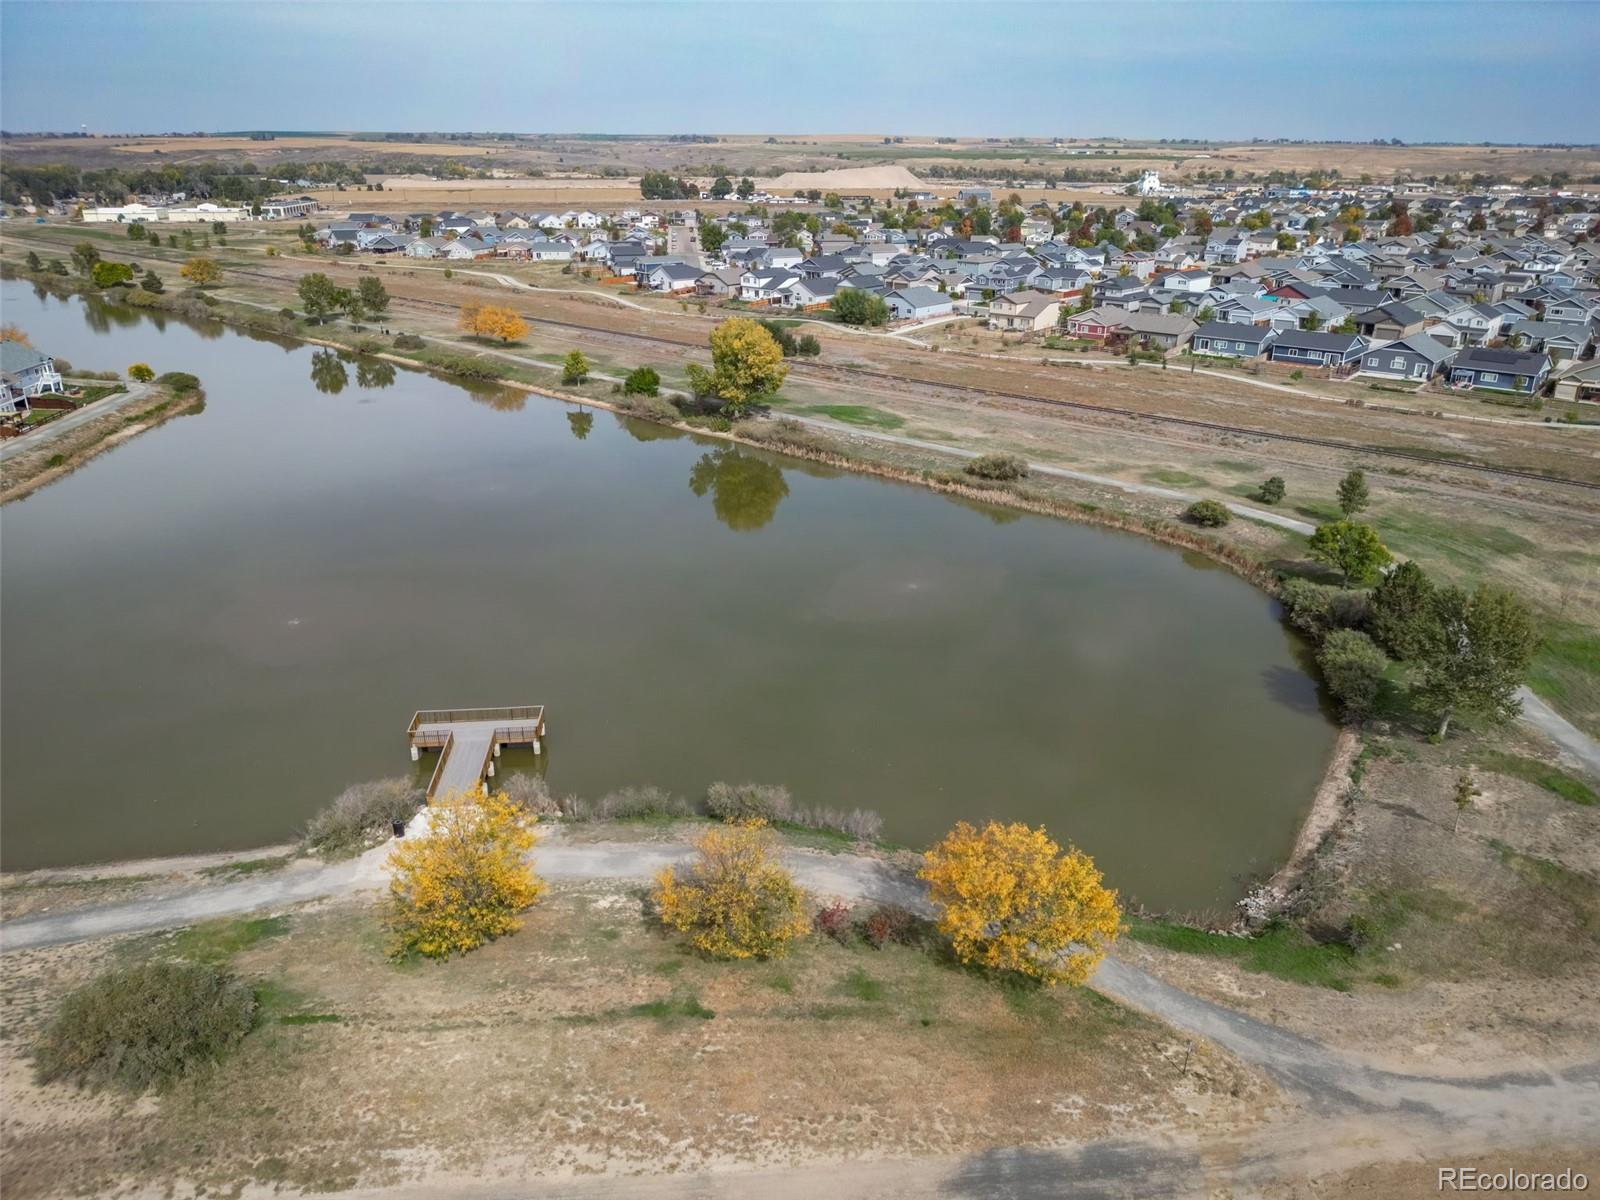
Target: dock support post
x: 497, y: 749
x: 491, y: 769
x: 415, y: 754
x: 536, y: 745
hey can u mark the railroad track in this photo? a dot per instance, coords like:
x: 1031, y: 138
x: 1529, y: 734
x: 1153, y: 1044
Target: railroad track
x: 1052, y: 402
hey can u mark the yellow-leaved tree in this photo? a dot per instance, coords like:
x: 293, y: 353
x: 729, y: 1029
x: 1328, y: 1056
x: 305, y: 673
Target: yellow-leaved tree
x: 732, y: 900
x: 201, y: 271
x: 1010, y: 900
x: 746, y: 363
x: 492, y: 321
x: 464, y: 882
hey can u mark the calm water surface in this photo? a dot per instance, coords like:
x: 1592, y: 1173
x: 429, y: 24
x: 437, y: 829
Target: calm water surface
x: 210, y: 630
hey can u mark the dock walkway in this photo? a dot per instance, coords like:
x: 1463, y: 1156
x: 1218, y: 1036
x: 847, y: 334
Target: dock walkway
x: 469, y: 740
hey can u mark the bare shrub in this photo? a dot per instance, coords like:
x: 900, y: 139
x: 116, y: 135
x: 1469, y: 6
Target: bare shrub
x: 748, y: 802
x: 362, y: 815
x: 629, y: 803
x: 529, y: 793
x: 860, y: 823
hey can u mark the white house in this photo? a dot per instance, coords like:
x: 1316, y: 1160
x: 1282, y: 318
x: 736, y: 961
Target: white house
x: 34, y: 373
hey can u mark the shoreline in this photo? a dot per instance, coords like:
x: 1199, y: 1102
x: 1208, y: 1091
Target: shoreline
x: 1313, y: 827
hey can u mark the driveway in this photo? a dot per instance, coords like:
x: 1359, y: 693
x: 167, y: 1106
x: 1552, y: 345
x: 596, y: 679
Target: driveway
x: 78, y: 416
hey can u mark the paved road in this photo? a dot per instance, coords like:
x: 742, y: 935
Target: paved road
x: 79, y: 416
x: 1574, y: 742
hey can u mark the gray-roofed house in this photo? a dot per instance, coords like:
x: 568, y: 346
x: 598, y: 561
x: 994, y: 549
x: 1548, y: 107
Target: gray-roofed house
x: 1416, y: 357
x: 35, y: 373
x: 918, y: 304
x: 1233, y: 339
x: 1305, y: 348
x: 1500, y: 370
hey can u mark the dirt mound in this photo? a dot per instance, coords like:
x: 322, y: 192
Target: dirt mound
x: 874, y: 179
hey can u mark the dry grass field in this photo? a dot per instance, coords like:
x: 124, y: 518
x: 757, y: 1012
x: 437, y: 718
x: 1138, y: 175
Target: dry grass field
x: 591, y: 1040
x: 770, y: 157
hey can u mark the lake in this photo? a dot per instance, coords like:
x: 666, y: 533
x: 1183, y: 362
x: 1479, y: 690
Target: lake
x: 212, y: 628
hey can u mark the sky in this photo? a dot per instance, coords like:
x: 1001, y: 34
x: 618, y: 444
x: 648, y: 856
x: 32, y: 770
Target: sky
x: 1423, y: 70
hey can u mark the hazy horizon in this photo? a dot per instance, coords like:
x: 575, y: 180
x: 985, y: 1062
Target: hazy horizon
x: 1443, y: 71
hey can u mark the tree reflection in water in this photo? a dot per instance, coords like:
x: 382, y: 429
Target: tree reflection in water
x: 745, y: 490
x: 328, y: 373
x: 374, y: 373
x: 580, y: 422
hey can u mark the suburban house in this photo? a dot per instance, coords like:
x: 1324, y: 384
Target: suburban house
x: 1581, y: 381
x: 1232, y: 339
x: 724, y: 281
x: 1561, y: 341
x: 812, y: 291
x: 765, y: 287
x: 13, y: 400
x: 1308, y: 349
x: 1388, y: 321
x: 1097, y: 324
x: 1024, y: 312
x: 671, y: 277
x: 1414, y: 357
x: 1500, y: 370
x: 1167, y: 330
x: 34, y: 373
x: 918, y: 304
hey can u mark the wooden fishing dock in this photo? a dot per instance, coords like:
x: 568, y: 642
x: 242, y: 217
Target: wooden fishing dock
x: 469, y: 740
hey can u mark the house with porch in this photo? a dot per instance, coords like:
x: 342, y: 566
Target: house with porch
x: 1307, y: 349
x: 1417, y: 357
x: 918, y: 304
x: 1232, y: 339
x: 1024, y: 312
x: 1500, y: 370
x: 34, y: 373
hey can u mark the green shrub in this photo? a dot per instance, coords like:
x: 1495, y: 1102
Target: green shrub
x: 1002, y: 467
x: 642, y: 381
x: 1353, y: 667
x: 1272, y: 491
x: 748, y: 801
x: 361, y: 815
x: 1317, y: 609
x: 408, y: 341
x: 178, y: 382
x: 1213, y: 514
x: 145, y: 1026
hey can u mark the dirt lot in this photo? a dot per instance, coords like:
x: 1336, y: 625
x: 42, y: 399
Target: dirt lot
x: 589, y: 1039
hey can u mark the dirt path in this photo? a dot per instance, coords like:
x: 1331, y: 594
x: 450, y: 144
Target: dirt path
x: 1345, y: 1113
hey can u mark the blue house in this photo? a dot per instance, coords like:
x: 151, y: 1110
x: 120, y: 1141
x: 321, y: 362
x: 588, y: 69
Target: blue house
x: 1232, y: 340
x: 1307, y: 349
x: 1500, y: 370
